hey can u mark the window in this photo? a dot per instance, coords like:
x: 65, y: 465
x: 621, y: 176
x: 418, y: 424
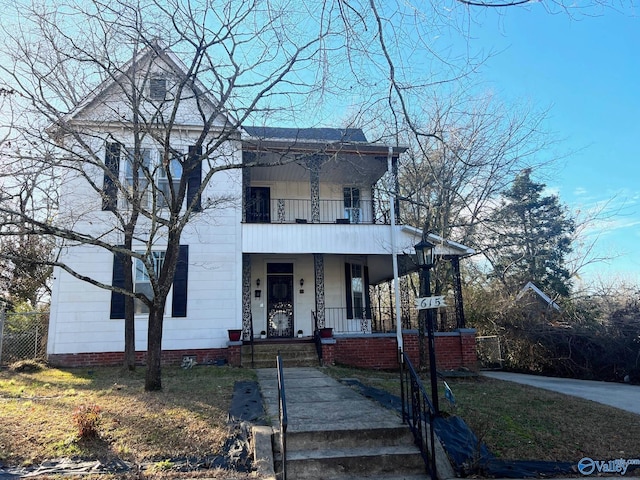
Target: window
x: 122, y: 167
x: 352, y: 204
x: 157, y: 89
x: 168, y: 181
x: 357, y: 291
x: 180, y: 282
x: 141, y: 281
x: 142, y: 166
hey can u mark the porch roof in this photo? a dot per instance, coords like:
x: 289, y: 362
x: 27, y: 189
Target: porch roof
x: 347, y: 155
x: 381, y: 268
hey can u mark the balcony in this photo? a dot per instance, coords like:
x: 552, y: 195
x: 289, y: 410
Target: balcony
x: 287, y: 210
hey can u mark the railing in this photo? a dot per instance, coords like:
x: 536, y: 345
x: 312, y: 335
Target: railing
x: 418, y: 413
x: 282, y: 410
x: 288, y: 210
x: 382, y: 320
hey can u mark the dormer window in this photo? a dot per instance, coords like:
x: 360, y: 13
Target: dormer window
x: 158, y: 89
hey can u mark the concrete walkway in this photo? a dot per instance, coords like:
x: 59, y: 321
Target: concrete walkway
x: 309, y: 391
x: 618, y: 395
x: 319, y: 406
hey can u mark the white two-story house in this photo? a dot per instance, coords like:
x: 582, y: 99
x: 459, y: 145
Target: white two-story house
x: 270, y: 248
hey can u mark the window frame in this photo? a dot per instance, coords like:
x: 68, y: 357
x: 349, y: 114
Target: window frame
x: 158, y: 89
x: 140, y: 308
x: 352, y: 197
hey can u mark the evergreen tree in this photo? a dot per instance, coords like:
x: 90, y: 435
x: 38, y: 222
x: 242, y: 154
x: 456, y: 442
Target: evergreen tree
x: 531, y: 238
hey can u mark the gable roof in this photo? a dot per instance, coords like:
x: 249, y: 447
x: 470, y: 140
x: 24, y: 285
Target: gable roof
x: 155, y: 51
x: 530, y: 286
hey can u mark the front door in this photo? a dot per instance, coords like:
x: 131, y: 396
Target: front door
x: 280, y: 305
x: 259, y: 205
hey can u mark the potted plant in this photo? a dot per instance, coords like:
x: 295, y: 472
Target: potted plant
x: 234, y: 335
x: 300, y: 332
x: 263, y: 334
x: 326, y: 332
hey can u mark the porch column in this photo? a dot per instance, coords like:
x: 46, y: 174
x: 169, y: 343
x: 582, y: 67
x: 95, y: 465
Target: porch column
x: 460, y: 320
x: 396, y: 186
x: 314, y: 179
x: 318, y: 270
x: 247, y: 324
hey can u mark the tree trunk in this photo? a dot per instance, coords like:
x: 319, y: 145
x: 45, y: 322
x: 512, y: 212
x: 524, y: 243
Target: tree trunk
x: 153, y: 378
x: 129, y: 319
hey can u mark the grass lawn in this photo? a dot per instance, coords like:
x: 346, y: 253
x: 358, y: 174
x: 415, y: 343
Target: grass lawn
x: 187, y: 418
x: 518, y: 422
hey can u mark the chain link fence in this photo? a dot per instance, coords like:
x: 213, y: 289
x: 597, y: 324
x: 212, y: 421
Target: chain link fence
x: 489, y: 351
x: 23, y: 336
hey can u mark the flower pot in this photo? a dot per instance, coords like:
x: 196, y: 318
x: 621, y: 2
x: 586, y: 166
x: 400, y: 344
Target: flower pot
x: 234, y: 335
x: 326, y: 332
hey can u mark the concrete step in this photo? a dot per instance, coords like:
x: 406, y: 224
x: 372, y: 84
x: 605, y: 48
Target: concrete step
x: 294, y: 354
x: 336, y: 439
x: 394, y: 460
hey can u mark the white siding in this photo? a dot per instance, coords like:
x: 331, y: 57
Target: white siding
x: 80, y: 311
x: 316, y: 238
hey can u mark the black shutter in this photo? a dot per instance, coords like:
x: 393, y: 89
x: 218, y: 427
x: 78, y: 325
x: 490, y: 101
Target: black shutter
x: 195, y: 177
x: 179, y: 304
x: 347, y: 283
x: 117, y: 280
x: 367, y: 296
x: 109, y: 186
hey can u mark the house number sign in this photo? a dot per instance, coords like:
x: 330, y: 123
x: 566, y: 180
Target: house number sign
x: 430, y: 302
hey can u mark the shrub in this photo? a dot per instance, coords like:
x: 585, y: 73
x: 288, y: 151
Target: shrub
x: 87, y: 420
x: 26, y: 366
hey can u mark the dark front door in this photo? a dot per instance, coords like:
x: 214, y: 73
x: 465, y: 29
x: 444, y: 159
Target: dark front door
x: 259, y: 205
x: 280, y: 305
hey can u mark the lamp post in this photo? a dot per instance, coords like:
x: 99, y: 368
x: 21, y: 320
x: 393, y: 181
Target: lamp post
x: 424, y: 255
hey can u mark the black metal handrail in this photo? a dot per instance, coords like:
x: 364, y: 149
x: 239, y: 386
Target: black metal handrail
x: 284, y: 421
x: 316, y: 336
x: 418, y: 413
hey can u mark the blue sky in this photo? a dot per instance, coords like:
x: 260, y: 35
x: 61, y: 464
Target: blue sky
x: 587, y: 70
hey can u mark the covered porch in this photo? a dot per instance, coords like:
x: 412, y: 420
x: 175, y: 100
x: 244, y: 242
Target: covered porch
x: 295, y: 295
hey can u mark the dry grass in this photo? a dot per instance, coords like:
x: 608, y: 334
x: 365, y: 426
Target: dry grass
x: 519, y: 422
x: 187, y: 418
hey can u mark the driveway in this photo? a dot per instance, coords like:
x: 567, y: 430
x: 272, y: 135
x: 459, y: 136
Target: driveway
x: 619, y: 395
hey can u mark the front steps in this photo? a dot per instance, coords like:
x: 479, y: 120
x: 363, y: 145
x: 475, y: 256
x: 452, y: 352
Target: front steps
x: 294, y: 353
x: 384, y: 453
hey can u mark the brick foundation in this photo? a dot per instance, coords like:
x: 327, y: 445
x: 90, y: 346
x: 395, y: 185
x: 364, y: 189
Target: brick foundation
x: 380, y: 351
x: 229, y: 355
x: 372, y: 351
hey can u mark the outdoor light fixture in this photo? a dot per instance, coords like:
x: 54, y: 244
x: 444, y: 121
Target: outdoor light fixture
x: 257, y: 282
x: 302, y: 282
x: 424, y: 256
x: 424, y: 253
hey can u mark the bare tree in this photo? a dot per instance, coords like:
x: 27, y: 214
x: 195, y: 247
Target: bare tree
x: 219, y: 65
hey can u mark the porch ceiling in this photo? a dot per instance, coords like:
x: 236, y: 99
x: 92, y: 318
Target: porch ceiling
x: 381, y: 267
x: 338, y: 168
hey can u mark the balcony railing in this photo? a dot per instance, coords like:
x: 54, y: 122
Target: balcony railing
x: 287, y: 210
x: 383, y: 319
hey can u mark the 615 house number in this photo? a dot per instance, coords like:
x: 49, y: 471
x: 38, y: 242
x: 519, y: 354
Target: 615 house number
x: 430, y: 302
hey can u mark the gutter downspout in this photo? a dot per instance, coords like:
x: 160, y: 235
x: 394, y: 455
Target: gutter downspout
x: 394, y: 255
